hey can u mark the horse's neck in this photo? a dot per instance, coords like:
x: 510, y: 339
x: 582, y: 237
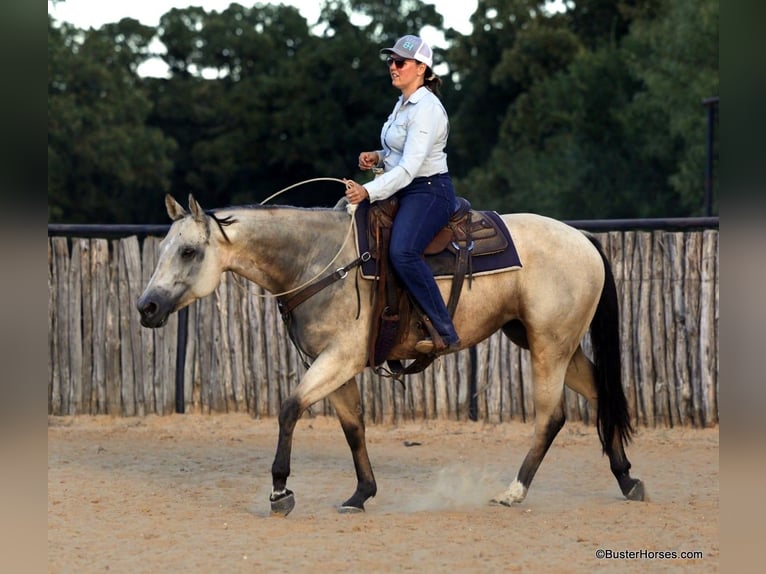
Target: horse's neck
x: 278, y: 248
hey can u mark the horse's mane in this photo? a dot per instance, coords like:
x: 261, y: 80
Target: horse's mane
x: 230, y: 219
x: 222, y: 222
x: 340, y: 206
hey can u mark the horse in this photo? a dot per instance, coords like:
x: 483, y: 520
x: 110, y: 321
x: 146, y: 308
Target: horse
x: 564, y: 290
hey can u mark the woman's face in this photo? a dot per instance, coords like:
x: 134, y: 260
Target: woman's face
x: 406, y: 74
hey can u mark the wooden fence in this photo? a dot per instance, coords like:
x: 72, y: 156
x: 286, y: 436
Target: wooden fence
x: 238, y: 357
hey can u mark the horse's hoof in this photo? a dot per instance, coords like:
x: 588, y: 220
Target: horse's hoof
x: 283, y: 504
x: 637, y: 492
x: 343, y: 509
x: 514, y: 494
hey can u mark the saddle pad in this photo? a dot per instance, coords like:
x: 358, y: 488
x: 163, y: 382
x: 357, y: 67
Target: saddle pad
x: 443, y: 264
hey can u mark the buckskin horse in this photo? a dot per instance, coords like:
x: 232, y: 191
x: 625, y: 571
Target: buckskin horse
x: 564, y: 290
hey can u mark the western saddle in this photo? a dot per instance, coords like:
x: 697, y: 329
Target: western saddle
x: 467, y: 234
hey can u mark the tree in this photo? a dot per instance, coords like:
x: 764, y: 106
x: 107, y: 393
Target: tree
x: 102, y: 157
x: 586, y: 125
x: 257, y: 102
x: 481, y: 98
x: 675, y: 56
x: 591, y: 112
x: 277, y: 105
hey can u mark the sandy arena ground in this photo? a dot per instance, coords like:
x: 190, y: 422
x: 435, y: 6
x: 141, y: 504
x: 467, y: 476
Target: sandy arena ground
x: 189, y: 493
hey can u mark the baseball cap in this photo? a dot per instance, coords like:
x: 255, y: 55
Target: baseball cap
x: 412, y: 47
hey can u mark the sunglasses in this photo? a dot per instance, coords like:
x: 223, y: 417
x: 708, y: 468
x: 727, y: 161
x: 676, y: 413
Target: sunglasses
x: 398, y: 62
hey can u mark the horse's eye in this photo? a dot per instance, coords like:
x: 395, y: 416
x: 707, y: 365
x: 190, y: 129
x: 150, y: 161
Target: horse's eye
x: 187, y: 252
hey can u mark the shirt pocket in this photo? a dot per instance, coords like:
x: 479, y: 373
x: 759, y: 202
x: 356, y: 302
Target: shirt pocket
x: 397, y: 135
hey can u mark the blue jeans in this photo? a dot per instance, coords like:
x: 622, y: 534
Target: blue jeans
x: 425, y: 207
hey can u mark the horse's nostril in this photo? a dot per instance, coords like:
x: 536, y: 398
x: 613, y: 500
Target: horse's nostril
x: 148, y: 309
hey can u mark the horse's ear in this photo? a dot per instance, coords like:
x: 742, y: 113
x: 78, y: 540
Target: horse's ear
x: 175, y: 211
x: 195, y: 209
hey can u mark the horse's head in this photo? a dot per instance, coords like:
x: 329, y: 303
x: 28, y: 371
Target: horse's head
x: 188, y: 268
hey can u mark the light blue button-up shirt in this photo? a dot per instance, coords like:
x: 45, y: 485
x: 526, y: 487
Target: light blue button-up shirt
x: 414, y: 138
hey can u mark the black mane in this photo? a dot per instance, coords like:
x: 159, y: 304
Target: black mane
x: 222, y: 222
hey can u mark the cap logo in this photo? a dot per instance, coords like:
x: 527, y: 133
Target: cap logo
x: 412, y: 47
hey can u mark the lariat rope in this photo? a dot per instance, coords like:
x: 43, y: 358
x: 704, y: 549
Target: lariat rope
x: 340, y: 250
x: 304, y: 182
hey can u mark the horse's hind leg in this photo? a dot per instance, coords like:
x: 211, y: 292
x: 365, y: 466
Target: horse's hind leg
x: 580, y: 378
x: 348, y: 406
x: 549, y: 418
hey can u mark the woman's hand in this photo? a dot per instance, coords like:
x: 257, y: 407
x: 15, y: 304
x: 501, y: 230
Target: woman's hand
x: 368, y: 159
x: 355, y: 193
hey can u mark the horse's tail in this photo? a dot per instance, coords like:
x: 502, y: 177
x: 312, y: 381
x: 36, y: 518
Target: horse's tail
x: 613, y: 418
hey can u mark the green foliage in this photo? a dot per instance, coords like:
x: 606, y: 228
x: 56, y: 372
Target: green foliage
x: 102, y: 157
x: 603, y: 124
x: 591, y: 113
x: 676, y: 58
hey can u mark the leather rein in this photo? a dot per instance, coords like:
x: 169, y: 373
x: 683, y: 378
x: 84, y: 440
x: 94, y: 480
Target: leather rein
x: 287, y: 304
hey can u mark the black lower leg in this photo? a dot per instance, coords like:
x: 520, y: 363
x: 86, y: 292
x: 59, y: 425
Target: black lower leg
x: 542, y: 443
x: 280, y: 469
x: 348, y: 406
x: 365, y: 485
x: 631, y: 488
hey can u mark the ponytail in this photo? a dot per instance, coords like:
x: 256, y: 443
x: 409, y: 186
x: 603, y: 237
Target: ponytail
x: 432, y: 82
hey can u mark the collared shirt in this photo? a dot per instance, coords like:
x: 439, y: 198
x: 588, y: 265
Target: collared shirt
x: 413, y: 138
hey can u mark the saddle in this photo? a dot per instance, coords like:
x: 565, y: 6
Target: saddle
x: 467, y: 235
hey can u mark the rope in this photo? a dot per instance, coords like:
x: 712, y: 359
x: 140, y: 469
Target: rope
x: 305, y: 181
x: 326, y: 267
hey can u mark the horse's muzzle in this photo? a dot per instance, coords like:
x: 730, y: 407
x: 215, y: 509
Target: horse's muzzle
x: 154, y: 311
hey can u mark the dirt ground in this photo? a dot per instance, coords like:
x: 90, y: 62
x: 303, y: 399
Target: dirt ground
x: 189, y: 493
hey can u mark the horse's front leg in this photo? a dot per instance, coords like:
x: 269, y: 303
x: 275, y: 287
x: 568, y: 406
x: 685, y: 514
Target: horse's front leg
x: 282, y: 500
x: 328, y: 373
x: 348, y: 406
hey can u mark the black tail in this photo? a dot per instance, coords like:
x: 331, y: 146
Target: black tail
x: 613, y: 416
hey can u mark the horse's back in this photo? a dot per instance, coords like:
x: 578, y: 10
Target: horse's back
x: 543, y: 242
x: 562, y: 272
